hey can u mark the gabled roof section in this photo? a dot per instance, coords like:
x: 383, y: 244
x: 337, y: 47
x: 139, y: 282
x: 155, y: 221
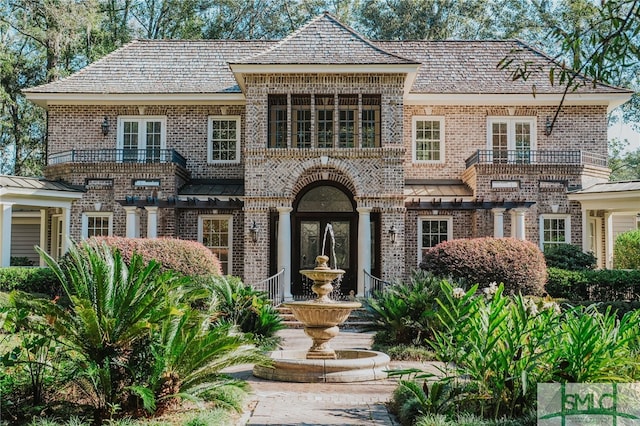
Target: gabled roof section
x: 471, y: 67
x: 325, y: 41
x: 145, y: 67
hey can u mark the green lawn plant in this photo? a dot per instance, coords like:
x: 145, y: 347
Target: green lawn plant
x: 133, y: 334
x: 495, y: 348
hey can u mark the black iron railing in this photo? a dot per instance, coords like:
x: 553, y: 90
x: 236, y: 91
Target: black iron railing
x: 517, y: 156
x: 139, y: 156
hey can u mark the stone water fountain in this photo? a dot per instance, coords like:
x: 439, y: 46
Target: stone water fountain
x: 321, y: 317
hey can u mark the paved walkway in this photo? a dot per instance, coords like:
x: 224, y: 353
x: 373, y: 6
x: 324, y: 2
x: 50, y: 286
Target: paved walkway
x: 289, y: 404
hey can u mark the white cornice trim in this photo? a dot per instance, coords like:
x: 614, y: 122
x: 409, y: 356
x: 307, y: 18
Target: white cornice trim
x: 324, y: 68
x: 45, y: 99
x: 612, y: 100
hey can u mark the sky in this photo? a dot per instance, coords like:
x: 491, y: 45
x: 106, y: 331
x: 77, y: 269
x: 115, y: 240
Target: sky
x: 624, y: 131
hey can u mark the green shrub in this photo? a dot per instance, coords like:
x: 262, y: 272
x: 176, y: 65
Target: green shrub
x: 30, y: 280
x: 626, y: 250
x: 603, y: 285
x: 186, y: 257
x: 569, y: 257
x: 20, y: 261
x: 404, y: 313
x: 518, y: 264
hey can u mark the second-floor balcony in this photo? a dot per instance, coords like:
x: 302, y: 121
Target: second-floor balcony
x: 134, y: 156
x: 542, y: 157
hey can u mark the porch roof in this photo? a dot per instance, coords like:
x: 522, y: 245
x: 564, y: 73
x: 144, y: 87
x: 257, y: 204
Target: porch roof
x: 622, y: 196
x: 30, y: 191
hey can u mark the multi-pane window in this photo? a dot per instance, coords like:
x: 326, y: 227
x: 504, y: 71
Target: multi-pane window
x: 554, y: 230
x: 432, y: 231
x: 370, y: 121
x: 325, y: 106
x: 324, y: 121
x: 224, y: 139
x: 277, y: 121
x: 301, y: 117
x: 96, y: 224
x: 511, y: 139
x: 141, y: 139
x: 428, y: 139
x: 348, y: 121
x: 214, y: 232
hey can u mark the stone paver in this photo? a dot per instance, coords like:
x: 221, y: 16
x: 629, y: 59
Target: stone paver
x: 288, y: 404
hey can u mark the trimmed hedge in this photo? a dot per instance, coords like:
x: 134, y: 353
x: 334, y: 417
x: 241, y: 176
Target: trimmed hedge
x: 604, y: 285
x: 626, y: 250
x: 30, y: 280
x: 518, y: 264
x: 189, y: 258
x: 569, y: 257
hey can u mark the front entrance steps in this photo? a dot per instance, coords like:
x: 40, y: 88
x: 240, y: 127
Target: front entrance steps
x: 356, y: 321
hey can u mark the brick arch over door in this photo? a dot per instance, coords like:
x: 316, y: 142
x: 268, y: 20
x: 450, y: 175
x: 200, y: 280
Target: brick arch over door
x: 316, y: 174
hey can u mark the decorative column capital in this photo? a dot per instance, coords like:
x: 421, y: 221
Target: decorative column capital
x: 364, y: 210
x: 284, y: 210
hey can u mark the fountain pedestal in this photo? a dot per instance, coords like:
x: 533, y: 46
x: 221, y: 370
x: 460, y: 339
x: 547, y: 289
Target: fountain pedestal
x: 320, y: 318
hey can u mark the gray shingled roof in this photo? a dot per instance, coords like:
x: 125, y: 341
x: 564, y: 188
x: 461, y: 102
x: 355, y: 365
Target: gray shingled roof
x: 325, y: 41
x: 460, y: 67
x: 630, y: 185
x: 161, y: 66
x: 202, y: 67
x: 28, y: 183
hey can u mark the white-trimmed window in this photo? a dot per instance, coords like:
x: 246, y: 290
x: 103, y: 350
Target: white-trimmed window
x: 215, y: 233
x: 511, y: 139
x: 428, y: 139
x: 224, y: 139
x: 97, y: 224
x: 554, y: 229
x: 432, y: 230
x: 142, y: 139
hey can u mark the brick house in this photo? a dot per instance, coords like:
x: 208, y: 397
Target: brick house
x: 253, y: 147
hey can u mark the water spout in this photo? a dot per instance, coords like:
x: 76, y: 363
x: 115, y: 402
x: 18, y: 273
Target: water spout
x: 329, y: 230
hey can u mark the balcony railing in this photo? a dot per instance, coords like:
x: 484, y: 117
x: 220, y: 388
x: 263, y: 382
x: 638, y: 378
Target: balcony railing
x: 139, y: 156
x: 535, y: 157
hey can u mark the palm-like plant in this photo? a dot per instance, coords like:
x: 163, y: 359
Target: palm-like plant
x: 112, y: 306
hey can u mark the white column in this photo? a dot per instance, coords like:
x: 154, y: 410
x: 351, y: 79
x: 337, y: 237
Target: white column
x: 519, y: 217
x: 152, y: 221
x: 364, y: 248
x: 66, y: 235
x: 608, y: 216
x: 43, y: 235
x: 6, y: 210
x: 585, y: 233
x: 498, y: 222
x: 132, y: 221
x: 284, y: 248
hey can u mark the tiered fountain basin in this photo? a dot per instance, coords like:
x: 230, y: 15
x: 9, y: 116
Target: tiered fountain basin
x: 321, y: 318
x: 351, y: 365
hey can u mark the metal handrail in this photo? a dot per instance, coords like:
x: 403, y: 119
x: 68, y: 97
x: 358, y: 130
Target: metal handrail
x: 274, y: 288
x: 525, y: 156
x: 373, y: 284
x: 137, y: 156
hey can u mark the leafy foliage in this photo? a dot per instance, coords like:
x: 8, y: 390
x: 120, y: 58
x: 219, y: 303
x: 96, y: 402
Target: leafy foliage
x: 569, y: 257
x: 30, y: 280
x: 186, y: 257
x: 133, y: 334
x: 518, y: 264
x: 405, y: 312
x: 603, y: 285
x: 626, y: 250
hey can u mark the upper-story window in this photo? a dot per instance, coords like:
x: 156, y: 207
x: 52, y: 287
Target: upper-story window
x: 428, y: 139
x: 224, y: 139
x: 277, y: 121
x: 511, y: 139
x: 324, y: 121
x: 301, y: 121
x: 141, y: 139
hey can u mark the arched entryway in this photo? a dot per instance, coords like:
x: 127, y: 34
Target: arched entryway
x: 316, y: 206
